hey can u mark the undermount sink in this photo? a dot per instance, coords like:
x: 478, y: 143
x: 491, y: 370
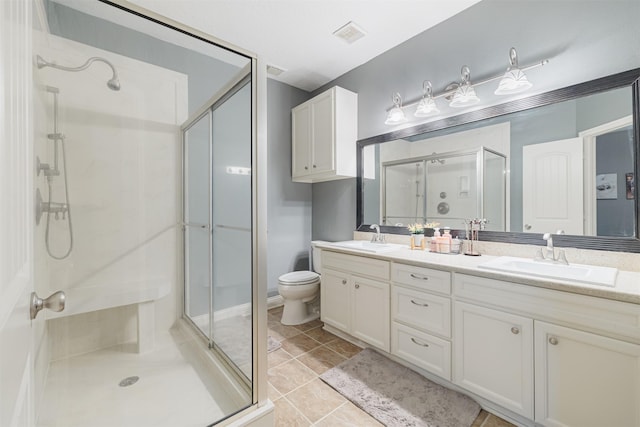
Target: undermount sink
x: 363, y: 245
x: 594, y: 275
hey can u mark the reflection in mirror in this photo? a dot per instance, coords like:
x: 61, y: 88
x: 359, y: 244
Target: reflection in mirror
x: 564, y: 166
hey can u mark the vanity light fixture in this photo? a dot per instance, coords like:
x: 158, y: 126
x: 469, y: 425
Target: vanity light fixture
x: 396, y: 115
x: 463, y: 94
x: 514, y: 80
x: 427, y: 106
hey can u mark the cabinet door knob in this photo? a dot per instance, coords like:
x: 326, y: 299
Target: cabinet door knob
x: 527, y: 226
x: 344, y: 281
x: 515, y: 330
x: 553, y: 340
x: 357, y: 286
x: 314, y: 166
x: 306, y: 168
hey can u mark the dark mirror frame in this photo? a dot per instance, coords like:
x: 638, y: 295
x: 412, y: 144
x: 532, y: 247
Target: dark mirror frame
x: 620, y: 244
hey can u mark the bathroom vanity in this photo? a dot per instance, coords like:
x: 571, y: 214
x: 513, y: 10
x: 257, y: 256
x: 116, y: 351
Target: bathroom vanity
x: 532, y: 350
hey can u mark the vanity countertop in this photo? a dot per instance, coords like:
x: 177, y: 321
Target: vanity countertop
x: 626, y: 289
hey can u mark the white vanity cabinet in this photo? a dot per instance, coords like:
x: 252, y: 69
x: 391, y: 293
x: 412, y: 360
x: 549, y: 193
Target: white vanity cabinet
x: 355, y: 297
x: 584, y: 379
x: 324, y: 134
x: 421, y: 317
x: 584, y: 351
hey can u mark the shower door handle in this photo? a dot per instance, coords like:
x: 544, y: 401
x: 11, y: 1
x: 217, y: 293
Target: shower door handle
x: 55, y: 302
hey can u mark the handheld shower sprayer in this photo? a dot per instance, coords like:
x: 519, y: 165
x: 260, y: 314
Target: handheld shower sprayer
x: 113, y: 83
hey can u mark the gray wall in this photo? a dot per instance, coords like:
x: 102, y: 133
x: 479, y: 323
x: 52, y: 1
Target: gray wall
x: 289, y: 203
x: 581, y: 44
x: 614, y: 154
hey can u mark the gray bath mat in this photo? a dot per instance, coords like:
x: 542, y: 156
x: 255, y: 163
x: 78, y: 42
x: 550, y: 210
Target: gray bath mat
x: 398, y: 396
x: 272, y: 344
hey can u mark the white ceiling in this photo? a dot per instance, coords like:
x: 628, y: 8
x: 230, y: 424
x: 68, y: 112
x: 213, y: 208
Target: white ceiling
x: 297, y: 35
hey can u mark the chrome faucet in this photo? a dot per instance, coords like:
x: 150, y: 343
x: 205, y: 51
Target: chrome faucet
x: 549, y: 254
x: 376, y: 238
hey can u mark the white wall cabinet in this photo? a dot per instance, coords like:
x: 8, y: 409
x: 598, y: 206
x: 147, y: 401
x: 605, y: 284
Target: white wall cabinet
x: 494, y: 356
x: 584, y: 379
x: 324, y: 134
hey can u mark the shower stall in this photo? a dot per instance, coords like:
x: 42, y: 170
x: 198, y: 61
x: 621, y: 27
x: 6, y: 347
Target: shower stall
x: 144, y: 156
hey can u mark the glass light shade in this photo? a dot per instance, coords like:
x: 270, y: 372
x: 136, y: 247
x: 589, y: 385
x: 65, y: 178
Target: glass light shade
x: 426, y: 107
x: 514, y: 81
x: 464, y: 96
x: 395, y: 116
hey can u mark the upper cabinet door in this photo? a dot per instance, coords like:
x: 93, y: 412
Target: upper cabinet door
x: 323, y: 133
x: 301, y: 147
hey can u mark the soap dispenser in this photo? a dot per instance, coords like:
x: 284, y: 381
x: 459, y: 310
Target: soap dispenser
x: 433, y: 245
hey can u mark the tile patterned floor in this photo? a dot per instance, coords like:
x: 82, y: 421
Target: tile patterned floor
x: 300, y: 397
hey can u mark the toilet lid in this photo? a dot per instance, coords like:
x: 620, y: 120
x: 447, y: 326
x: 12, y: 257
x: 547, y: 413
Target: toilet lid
x: 299, y: 278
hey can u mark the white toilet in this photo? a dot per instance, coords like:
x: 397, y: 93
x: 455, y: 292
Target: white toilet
x: 298, y: 289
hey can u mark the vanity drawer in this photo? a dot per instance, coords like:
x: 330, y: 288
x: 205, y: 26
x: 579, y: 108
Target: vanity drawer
x: 422, y: 278
x: 607, y: 317
x: 360, y: 265
x: 423, y: 350
x: 421, y: 310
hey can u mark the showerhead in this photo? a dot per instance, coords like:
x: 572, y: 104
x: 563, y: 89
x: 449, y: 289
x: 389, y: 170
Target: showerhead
x: 113, y: 83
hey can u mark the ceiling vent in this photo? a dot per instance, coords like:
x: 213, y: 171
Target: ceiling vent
x: 349, y: 32
x: 274, y: 71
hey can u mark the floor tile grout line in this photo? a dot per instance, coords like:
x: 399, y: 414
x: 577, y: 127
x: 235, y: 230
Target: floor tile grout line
x: 298, y: 410
x: 346, y: 402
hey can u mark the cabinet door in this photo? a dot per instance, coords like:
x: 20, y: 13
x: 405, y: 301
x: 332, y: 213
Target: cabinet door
x: 323, y: 133
x: 494, y: 356
x: 370, y: 315
x: 583, y: 379
x: 334, y: 299
x: 301, y: 141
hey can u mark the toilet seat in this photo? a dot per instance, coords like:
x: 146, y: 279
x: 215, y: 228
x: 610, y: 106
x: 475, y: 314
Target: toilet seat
x: 299, y: 278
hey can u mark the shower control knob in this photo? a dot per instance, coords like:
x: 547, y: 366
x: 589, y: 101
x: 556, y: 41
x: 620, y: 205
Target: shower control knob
x: 55, y: 302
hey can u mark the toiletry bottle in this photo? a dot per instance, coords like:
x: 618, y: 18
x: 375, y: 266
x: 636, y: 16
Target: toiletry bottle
x: 433, y: 245
x: 446, y: 241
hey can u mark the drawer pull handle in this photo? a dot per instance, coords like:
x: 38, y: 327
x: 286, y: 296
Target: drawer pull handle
x: 515, y: 330
x: 344, y: 281
x: 553, y: 341
x: 419, y: 343
x: 417, y: 276
x: 419, y: 303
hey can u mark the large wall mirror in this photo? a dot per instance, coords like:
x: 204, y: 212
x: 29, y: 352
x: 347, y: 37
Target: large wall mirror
x: 564, y: 160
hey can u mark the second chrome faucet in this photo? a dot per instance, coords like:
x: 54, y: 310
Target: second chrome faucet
x: 549, y: 253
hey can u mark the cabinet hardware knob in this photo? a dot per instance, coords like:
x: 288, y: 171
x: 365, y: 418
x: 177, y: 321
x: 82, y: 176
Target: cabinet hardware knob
x: 553, y: 341
x: 419, y: 343
x: 344, y: 281
x: 515, y: 330
x: 314, y: 166
x: 306, y: 168
x: 419, y: 303
x: 417, y: 276
x: 527, y: 226
x: 357, y: 286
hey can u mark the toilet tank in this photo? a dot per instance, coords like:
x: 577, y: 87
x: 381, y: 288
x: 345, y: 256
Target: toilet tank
x: 316, y: 257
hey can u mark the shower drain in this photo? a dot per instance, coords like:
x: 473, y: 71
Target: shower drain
x: 128, y: 381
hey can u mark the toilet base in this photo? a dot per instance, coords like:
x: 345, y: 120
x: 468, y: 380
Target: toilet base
x: 296, y: 313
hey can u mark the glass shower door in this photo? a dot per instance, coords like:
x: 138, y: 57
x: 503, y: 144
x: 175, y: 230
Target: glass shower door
x: 217, y: 217
x: 197, y: 218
